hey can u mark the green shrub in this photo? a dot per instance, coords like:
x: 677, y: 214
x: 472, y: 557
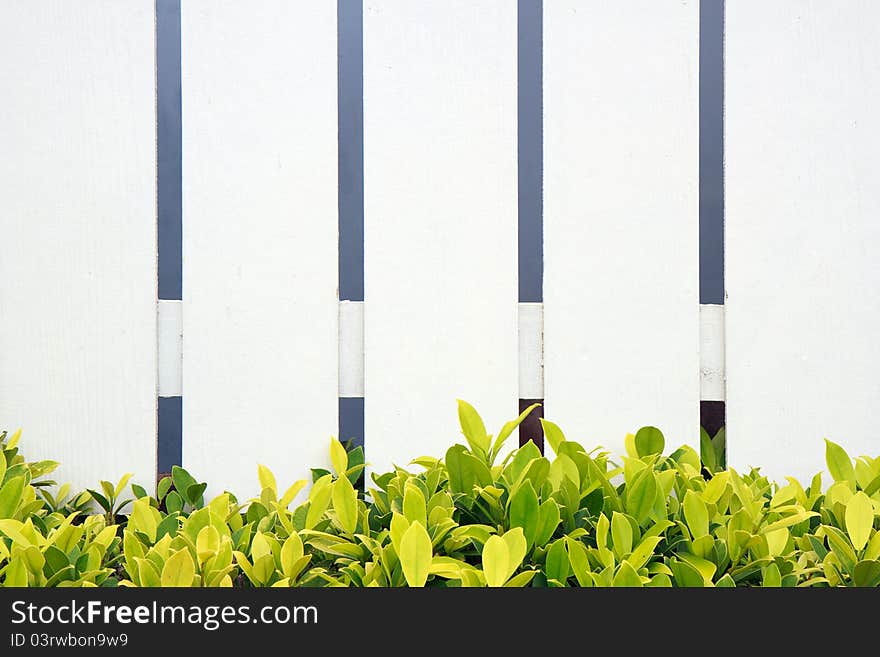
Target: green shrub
x: 469, y: 519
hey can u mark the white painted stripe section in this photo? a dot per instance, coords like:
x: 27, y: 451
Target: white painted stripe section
x: 621, y: 219
x: 531, y: 351
x: 711, y: 352
x: 170, y: 326
x: 351, y: 348
x: 259, y: 239
x: 78, y: 235
x: 440, y: 215
x: 802, y: 135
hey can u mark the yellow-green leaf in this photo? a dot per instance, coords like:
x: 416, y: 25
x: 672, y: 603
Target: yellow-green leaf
x: 859, y: 519
x: 267, y: 479
x: 10, y: 496
x: 345, y: 504
x: 414, y: 506
x: 839, y: 464
x: 338, y: 457
x: 179, y: 569
x: 621, y: 534
x: 696, y: 514
x: 496, y: 559
x: 207, y: 543
x: 12, y: 442
x: 473, y: 428
x: 516, y: 548
x: 416, y: 555
x: 291, y: 552
x: 292, y: 492
x: 776, y: 541
x: 319, y: 498
x: 627, y: 577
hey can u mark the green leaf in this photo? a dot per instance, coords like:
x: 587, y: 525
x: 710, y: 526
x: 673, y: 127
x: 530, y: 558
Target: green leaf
x: 267, y: 479
x: 859, y: 519
x: 556, y: 563
x: 194, y: 494
x: 552, y: 434
x: 726, y: 582
x: 548, y: 521
x: 521, y: 580
x: 416, y: 555
x: 182, y: 479
x: 770, y: 576
x: 707, y: 451
x: 640, y: 495
x: 516, y: 548
x: 649, y: 440
x: 319, y: 499
x: 627, y: 577
x: 580, y: 563
x: 685, y: 575
x: 415, y: 507
x: 473, y: 428
x: 696, y: 514
x: 867, y: 574
x: 345, y: 503
x: 704, y: 567
x: 207, y: 543
x: 496, y: 561
x: 16, y: 572
x: 508, y: 428
x: 525, y: 513
x: 338, y: 457
x: 179, y: 569
x: 173, y: 502
x: 10, y: 496
x: 839, y: 464
x: 644, y: 551
x: 621, y: 534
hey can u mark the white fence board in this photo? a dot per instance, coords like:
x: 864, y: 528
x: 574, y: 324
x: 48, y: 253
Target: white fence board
x: 440, y: 216
x: 260, y: 239
x: 621, y: 272
x: 78, y: 235
x: 802, y: 135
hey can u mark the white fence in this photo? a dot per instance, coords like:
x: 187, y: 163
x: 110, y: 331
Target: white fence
x: 267, y: 348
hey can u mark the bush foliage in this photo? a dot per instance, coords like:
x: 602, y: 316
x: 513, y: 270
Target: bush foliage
x: 469, y: 519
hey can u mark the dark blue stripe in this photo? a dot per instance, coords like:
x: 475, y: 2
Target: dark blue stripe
x: 712, y: 151
x: 350, y: 80
x: 169, y: 180
x: 530, y: 150
x: 351, y: 419
x: 169, y: 147
x: 170, y: 432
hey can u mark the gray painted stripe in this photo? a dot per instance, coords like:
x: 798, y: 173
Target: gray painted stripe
x: 169, y: 147
x: 712, y: 151
x: 530, y: 154
x: 169, y: 180
x: 351, y: 149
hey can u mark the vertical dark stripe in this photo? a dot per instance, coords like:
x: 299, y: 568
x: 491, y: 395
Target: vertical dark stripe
x: 169, y: 147
x: 351, y: 420
x: 711, y: 151
x: 531, y: 429
x: 350, y: 80
x: 712, y: 413
x: 350, y: 90
x: 169, y: 181
x: 530, y: 159
x: 170, y: 433
x: 530, y: 166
